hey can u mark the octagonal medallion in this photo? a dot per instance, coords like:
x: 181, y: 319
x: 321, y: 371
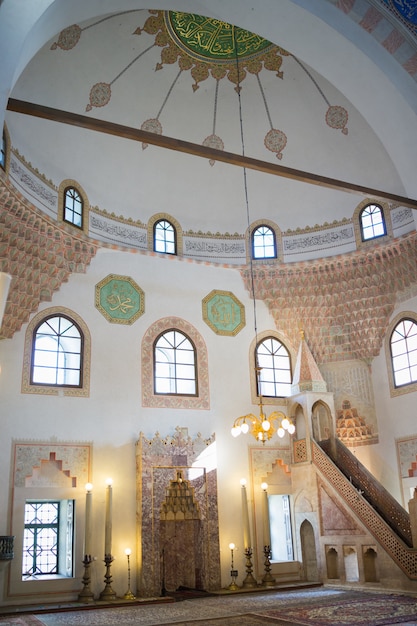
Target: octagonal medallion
x: 120, y: 299
x: 223, y: 312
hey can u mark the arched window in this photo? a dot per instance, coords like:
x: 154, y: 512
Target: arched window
x: 403, y: 345
x: 3, y: 150
x: 372, y: 222
x: 264, y: 243
x: 73, y: 207
x: 175, y: 365
x: 164, y: 237
x: 273, y: 360
x: 57, y: 353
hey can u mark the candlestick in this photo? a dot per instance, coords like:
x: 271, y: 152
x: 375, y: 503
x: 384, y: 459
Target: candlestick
x: 88, y: 527
x: 129, y: 595
x: 245, y: 516
x: 233, y: 572
x: 108, y: 527
x: 265, y: 513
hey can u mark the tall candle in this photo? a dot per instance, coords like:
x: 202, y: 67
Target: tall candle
x: 265, y: 514
x: 108, y: 527
x: 88, y: 527
x: 245, y: 516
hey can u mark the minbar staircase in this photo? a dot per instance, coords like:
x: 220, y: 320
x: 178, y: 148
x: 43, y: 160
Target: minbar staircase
x: 379, y: 512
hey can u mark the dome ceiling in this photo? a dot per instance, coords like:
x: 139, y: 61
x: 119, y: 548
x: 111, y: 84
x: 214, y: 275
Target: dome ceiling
x: 202, y: 81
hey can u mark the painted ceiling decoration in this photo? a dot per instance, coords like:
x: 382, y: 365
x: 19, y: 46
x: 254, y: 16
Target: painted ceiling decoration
x: 208, y: 49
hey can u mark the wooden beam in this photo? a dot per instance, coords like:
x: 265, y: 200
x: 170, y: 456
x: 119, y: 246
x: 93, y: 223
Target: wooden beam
x: 170, y: 143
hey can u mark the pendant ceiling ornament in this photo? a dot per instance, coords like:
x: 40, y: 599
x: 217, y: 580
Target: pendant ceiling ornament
x: 207, y: 49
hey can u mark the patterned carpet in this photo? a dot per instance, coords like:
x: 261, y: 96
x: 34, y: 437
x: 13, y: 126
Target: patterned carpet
x: 312, y: 607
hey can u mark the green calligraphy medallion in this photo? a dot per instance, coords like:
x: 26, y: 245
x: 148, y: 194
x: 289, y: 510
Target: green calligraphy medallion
x: 208, y: 39
x: 223, y: 312
x: 119, y: 299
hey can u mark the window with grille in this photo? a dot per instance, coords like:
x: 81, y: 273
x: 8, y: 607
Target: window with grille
x: 48, y: 538
x: 403, y: 345
x: 274, y: 363
x: 164, y: 237
x: 372, y: 222
x: 73, y: 207
x: 175, y: 364
x: 57, y: 353
x: 263, y: 243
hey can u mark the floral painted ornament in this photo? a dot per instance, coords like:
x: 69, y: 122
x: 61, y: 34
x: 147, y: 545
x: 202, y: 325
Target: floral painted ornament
x: 153, y: 125
x: 337, y: 117
x: 275, y: 141
x: 100, y: 95
x: 213, y: 141
x: 68, y: 38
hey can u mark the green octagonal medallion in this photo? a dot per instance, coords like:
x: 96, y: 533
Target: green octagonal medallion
x: 223, y: 312
x: 120, y: 299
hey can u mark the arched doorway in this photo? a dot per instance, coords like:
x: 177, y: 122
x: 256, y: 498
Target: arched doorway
x: 321, y: 422
x: 308, y: 552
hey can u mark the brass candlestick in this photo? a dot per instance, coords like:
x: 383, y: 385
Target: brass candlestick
x: 128, y: 595
x: 233, y: 572
x: 249, y: 580
x: 268, y: 580
x: 86, y: 595
x: 108, y: 593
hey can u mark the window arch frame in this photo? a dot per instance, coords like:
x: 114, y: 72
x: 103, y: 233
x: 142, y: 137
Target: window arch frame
x: 165, y: 241
x: 284, y: 401
x: 59, y: 353
x: 160, y: 217
x: 5, y: 150
x: 71, y: 192
x: 396, y: 390
x: 263, y: 245
x: 64, y: 186
x: 28, y: 386
x: 275, y: 382
x: 149, y: 398
x: 175, y: 363
x: 372, y: 226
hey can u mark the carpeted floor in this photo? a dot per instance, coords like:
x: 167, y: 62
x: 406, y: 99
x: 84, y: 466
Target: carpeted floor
x: 313, y: 607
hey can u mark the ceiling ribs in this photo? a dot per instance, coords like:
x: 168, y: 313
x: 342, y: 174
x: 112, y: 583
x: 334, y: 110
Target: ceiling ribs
x: 162, y: 141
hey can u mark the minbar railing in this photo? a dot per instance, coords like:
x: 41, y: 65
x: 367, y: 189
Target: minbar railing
x: 402, y: 554
x: 379, y: 498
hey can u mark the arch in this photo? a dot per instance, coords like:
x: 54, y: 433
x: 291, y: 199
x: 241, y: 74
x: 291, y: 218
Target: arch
x: 309, y: 552
x: 396, y: 390
x: 5, y: 150
x: 149, y: 398
x: 357, y: 226
x: 63, y: 187
x: 252, y: 364
x: 370, y: 559
x: 277, y: 237
x: 176, y: 225
x: 321, y: 421
x: 332, y: 563
x: 27, y: 386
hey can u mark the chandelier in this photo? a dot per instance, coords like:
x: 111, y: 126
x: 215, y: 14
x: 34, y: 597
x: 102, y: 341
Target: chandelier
x: 261, y: 427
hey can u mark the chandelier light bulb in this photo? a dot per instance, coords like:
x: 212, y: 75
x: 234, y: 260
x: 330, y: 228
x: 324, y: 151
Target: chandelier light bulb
x: 291, y: 429
x: 236, y: 430
x: 285, y: 423
x: 244, y: 428
x: 266, y: 425
x: 280, y: 432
